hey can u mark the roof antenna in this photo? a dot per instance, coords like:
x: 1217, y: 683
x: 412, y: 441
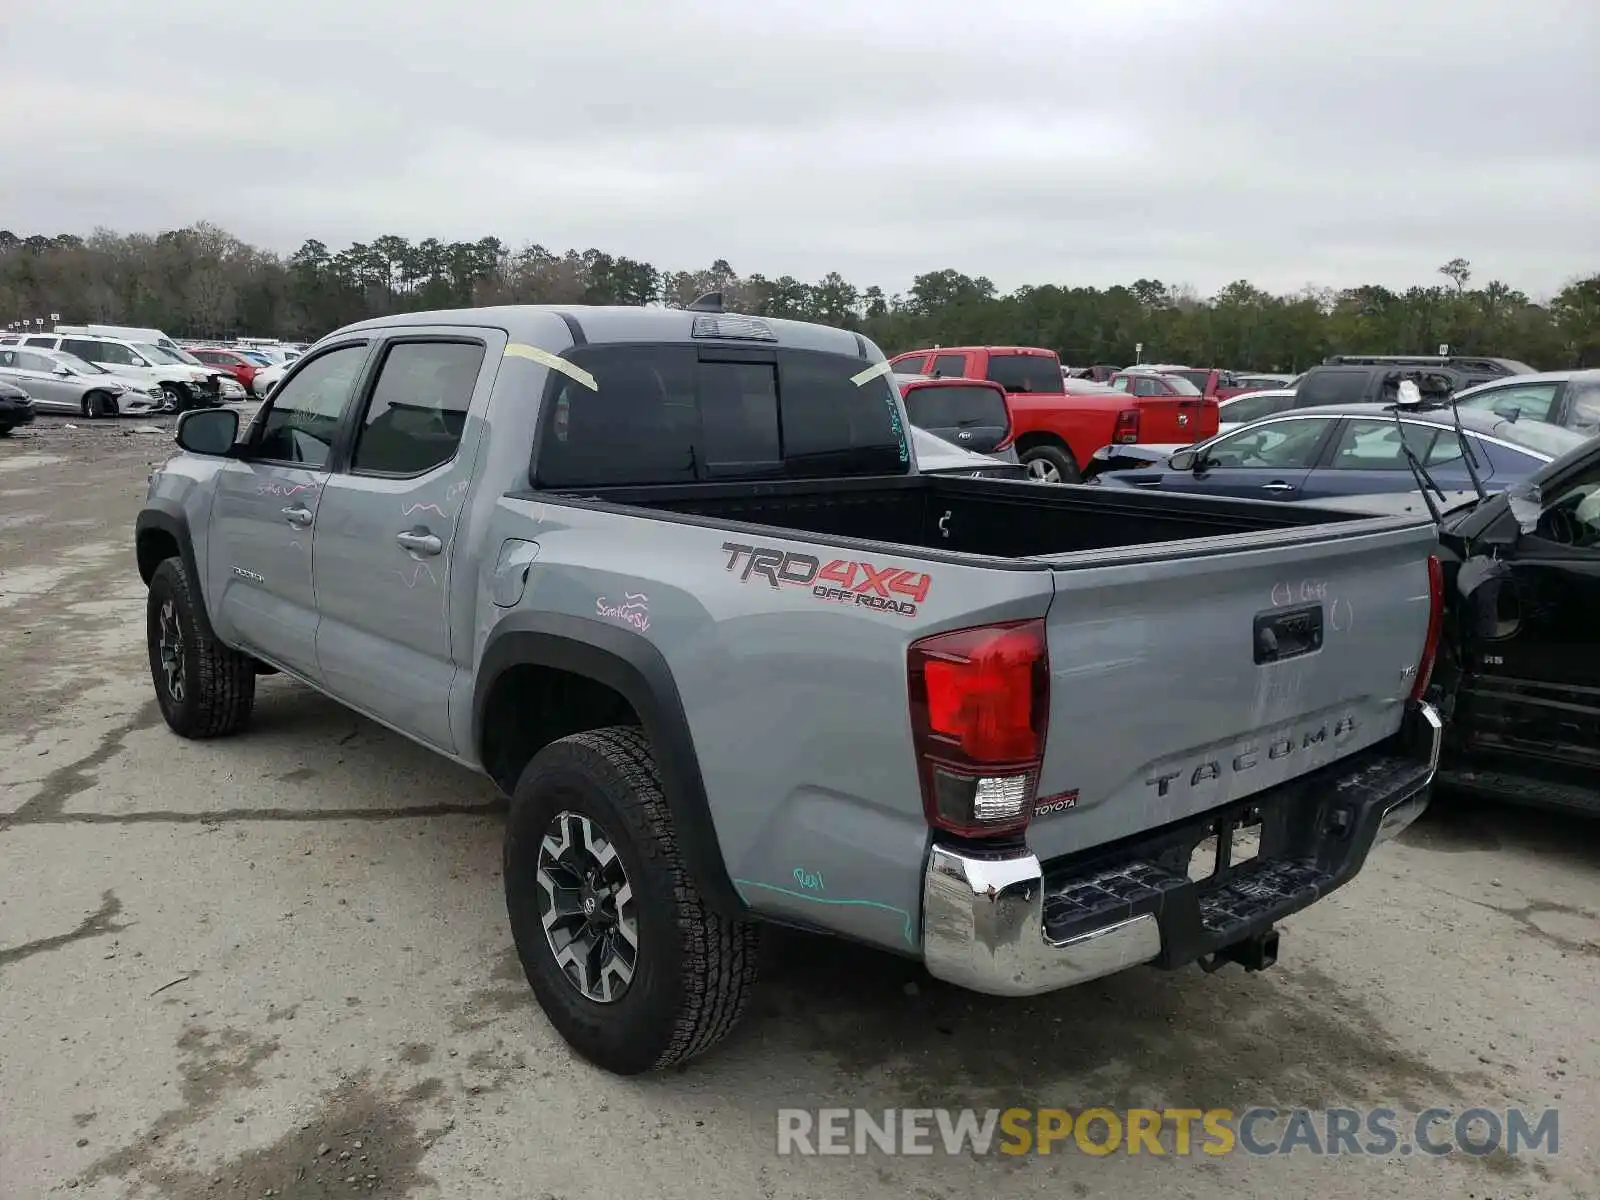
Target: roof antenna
x: 711, y: 302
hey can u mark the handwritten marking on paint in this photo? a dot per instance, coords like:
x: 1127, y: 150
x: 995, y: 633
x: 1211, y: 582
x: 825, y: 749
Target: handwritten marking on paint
x: 634, y: 610
x: 810, y: 880
x: 906, y: 925
x: 1307, y: 590
x: 412, y: 509
x: 420, y: 569
x: 283, y: 489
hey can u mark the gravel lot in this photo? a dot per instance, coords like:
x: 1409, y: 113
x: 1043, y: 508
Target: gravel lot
x: 279, y: 965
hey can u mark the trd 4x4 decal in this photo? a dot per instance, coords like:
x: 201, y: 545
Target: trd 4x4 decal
x: 843, y: 581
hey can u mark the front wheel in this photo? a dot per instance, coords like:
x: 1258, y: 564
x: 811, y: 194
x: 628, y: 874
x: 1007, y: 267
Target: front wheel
x: 100, y: 405
x: 1051, y: 464
x: 175, y: 398
x: 204, y: 688
x: 617, y: 943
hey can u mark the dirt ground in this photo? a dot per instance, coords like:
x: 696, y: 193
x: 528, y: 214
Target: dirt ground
x: 278, y: 965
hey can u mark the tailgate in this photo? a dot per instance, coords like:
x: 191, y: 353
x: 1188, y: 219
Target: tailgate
x: 1210, y: 670
x: 1181, y: 419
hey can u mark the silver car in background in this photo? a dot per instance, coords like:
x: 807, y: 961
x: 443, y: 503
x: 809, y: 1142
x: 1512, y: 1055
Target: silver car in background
x: 61, y: 382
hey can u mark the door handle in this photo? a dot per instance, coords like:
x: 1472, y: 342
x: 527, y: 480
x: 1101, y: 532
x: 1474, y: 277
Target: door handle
x: 298, y: 515
x: 419, y: 543
x: 1277, y: 486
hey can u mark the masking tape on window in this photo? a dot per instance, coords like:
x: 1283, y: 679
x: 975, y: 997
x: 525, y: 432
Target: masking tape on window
x: 554, y: 361
x: 861, y: 378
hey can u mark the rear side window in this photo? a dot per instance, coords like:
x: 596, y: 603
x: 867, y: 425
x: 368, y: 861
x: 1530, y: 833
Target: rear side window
x: 950, y: 364
x: 914, y: 364
x: 1332, y: 387
x: 955, y: 407
x: 662, y: 414
x: 1199, y: 378
x: 1253, y: 408
x: 1027, y: 373
x: 93, y: 351
x: 418, y: 408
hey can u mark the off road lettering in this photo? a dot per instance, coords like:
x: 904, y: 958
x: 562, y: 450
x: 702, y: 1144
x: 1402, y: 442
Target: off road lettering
x: 890, y: 588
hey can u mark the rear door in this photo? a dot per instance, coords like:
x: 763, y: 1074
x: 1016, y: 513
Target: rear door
x: 34, y: 373
x: 1163, y: 703
x: 1266, y: 461
x: 1367, y: 456
x: 969, y: 415
x: 386, y: 534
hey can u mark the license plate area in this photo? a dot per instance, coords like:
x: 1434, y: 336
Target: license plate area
x: 1230, y: 844
x: 1287, y: 633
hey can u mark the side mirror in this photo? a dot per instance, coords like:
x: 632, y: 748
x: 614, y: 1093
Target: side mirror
x: 210, y: 431
x: 1526, y: 504
x: 1184, y: 460
x: 64, y: 372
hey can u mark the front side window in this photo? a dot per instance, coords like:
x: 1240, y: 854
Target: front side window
x: 107, y: 352
x: 1277, y: 445
x: 1376, y: 445
x: 658, y: 415
x: 303, y: 417
x: 418, y: 409
x: 1531, y: 400
x: 1027, y: 373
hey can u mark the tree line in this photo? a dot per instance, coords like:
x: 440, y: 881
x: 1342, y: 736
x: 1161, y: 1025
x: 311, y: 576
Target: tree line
x: 202, y: 281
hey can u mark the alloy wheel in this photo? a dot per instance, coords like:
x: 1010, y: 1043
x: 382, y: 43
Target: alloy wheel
x: 586, y: 907
x: 169, y: 648
x: 1041, y: 470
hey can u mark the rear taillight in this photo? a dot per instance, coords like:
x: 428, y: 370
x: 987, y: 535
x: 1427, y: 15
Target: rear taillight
x: 1430, y: 647
x: 980, y: 701
x: 1127, y: 430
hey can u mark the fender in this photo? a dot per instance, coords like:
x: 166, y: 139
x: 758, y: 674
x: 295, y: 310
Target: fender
x: 174, y: 523
x: 629, y: 664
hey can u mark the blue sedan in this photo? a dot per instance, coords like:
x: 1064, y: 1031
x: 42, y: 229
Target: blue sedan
x: 1348, y: 450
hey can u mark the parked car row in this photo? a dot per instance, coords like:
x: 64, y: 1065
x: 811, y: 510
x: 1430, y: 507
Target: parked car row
x: 143, y: 367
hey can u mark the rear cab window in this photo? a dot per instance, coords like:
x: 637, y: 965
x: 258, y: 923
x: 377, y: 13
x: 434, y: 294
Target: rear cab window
x: 670, y: 413
x: 1028, y: 374
x: 954, y: 407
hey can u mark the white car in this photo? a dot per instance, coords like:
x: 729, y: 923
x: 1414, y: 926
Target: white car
x: 1252, y: 406
x: 267, y: 378
x: 185, y: 386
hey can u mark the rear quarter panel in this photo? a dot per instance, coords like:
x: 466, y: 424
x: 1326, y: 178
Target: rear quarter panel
x: 1085, y: 423
x: 796, y: 704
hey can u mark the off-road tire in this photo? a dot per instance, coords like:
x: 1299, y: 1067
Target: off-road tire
x: 695, y: 970
x: 219, y: 684
x: 98, y: 406
x: 1065, y: 465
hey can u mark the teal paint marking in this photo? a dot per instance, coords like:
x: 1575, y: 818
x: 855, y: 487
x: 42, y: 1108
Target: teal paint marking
x: 810, y: 880
x: 904, y: 916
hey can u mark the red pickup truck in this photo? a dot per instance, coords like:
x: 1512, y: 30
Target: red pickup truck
x: 1212, y: 382
x: 1055, y: 431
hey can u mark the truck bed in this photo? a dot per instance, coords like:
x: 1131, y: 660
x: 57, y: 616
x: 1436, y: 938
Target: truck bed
x: 994, y: 518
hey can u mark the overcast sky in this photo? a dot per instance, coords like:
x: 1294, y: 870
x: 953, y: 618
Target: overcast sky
x: 1033, y: 141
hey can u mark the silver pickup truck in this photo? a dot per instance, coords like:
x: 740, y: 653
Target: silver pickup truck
x: 673, y: 581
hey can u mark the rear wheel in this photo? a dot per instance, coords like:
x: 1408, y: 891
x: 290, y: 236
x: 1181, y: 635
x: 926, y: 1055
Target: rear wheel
x: 1051, y: 464
x: 626, y: 960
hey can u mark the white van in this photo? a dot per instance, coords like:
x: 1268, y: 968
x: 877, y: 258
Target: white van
x: 128, y: 333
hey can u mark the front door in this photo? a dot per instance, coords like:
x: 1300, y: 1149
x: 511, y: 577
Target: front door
x: 34, y: 373
x: 386, y: 531
x: 1267, y: 461
x: 1534, y: 684
x: 265, y: 510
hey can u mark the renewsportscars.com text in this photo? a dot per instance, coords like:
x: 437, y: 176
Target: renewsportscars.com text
x: 1378, y: 1132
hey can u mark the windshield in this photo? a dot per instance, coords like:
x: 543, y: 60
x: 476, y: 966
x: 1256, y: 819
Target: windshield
x: 255, y: 356
x: 156, y: 354
x: 1539, y: 436
x: 956, y: 407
